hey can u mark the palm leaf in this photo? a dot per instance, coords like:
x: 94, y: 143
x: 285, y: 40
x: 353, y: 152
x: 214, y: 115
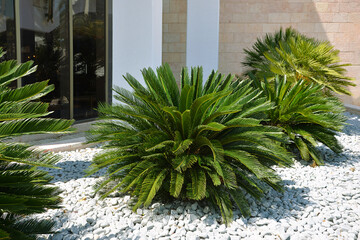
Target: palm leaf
x: 24, y: 189
x: 298, y: 57
x: 176, y: 183
x: 171, y: 143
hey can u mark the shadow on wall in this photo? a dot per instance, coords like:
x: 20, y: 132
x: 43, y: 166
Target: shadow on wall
x: 241, y: 22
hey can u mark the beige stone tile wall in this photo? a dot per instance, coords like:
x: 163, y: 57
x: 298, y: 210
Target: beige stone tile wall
x: 174, y: 34
x: 242, y: 21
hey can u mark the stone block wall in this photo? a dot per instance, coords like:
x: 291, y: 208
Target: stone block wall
x: 338, y: 21
x: 174, y: 34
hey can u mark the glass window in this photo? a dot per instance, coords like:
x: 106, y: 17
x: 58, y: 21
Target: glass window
x: 7, y: 28
x: 45, y: 40
x: 89, y: 56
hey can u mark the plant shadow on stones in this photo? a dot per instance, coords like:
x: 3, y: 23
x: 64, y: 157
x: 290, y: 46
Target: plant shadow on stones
x: 71, y: 170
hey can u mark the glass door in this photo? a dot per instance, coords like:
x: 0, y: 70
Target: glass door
x: 44, y: 26
x: 89, y: 56
x: 66, y: 39
x: 8, y: 31
x: 7, y: 28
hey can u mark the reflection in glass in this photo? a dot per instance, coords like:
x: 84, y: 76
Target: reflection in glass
x: 7, y: 28
x: 45, y: 40
x: 89, y: 56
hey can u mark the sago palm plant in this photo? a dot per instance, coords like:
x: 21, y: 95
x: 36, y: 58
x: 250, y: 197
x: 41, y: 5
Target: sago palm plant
x: 23, y: 187
x: 305, y: 115
x: 290, y: 53
x: 203, y: 142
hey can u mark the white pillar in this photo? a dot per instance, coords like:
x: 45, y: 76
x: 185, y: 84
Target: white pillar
x: 137, y: 38
x: 202, y: 43
x: 86, y: 8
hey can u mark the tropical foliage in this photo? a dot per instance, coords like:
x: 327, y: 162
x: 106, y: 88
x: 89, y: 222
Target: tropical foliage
x: 290, y: 53
x: 203, y: 142
x: 24, y: 188
x: 305, y: 115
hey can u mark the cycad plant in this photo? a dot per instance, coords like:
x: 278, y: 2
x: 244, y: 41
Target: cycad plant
x: 23, y: 187
x: 304, y: 114
x: 287, y: 52
x: 203, y: 142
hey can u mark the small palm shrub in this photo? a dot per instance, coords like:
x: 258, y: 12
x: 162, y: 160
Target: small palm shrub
x: 300, y: 58
x: 24, y: 188
x: 203, y: 142
x: 304, y: 114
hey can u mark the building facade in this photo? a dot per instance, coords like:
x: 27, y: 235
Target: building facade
x: 85, y: 46
x: 241, y: 22
x: 68, y: 41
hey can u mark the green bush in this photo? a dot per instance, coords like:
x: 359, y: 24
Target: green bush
x: 203, y: 142
x: 24, y: 189
x: 300, y: 58
x: 305, y: 115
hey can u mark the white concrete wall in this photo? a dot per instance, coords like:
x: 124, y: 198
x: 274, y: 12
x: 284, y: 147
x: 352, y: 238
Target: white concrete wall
x: 157, y: 8
x: 137, y: 38
x: 202, y: 45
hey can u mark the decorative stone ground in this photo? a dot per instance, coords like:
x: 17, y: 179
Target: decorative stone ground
x: 318, y: 203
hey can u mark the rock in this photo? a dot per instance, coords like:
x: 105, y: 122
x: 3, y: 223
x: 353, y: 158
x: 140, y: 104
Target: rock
x: 164, y: 233
x: 180, y: 210
x: 172, y: 230
x: 136, y: 219
x: 99, y: 231
x: 262, y: 222
x: 209, y: 221
x: 126, y: 199
x: 88, y: 236
x: 71, y: 237
x: 193, y: 217
x: 90, y: 220
x: 74, y: 229
x: 113, y: 202
x: 206, y: 209
x: 203, y: 235
x: 221, y: 229
x: 57, y: 237
x: 243, y: 234
x: 191, y: 227
x: 311, y: 196
x: 191, y: 236
x: 194, y: 206
x: 235, y: 237
x: 104, y: 224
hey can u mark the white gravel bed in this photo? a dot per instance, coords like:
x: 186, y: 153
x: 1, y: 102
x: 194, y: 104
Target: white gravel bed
x: 318, y: 203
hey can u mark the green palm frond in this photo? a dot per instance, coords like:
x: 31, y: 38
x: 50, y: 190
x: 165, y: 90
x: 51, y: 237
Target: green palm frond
x: 305, y: 115
x: 189, y: 143
x: 24, y: 189
x: 33, y: 126
x: 290, y: 53
x: 11, y: 71
x: 176, y: 183
x: 27, y: 93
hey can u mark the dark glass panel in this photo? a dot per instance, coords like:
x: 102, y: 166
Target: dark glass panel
x: 89, y: 57
x: 7, y: 28
x: 45, y: 40
x: 7, y: 31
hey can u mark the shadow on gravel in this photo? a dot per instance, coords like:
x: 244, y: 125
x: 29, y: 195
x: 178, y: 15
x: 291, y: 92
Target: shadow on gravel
x: 70, y: 232
x: 331, y: 158
x: 273, y: 206
x: 71, y: 170
x: 276, y: 205
x: 353, y: 123
x: 346, y: 158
